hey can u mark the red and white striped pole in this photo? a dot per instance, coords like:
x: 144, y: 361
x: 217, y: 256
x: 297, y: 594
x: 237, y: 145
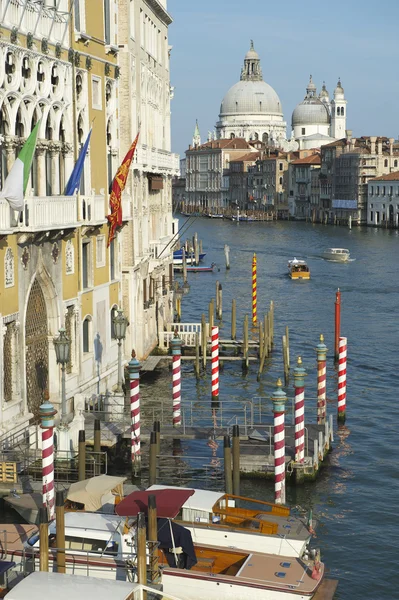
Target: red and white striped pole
x: 279, y: 399
x: 343, y: 345
x: 321, y: 350
x: 176, y: 379
x: 215, y: 363
x: 299, y: 411
x: 254, y: 291
x: 134, y: 377
x: 46, y: 413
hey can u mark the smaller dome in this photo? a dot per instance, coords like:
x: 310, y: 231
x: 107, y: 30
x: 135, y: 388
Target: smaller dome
x: 311, y: 112
x: 339, y: 90
x: 311, y: 86
x: 324, y: 92
x: 252, y: 54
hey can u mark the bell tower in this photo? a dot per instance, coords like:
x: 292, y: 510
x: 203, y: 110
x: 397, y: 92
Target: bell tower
x: 338, y: 113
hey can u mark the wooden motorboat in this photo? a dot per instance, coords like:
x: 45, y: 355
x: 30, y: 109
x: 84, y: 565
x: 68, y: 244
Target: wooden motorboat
x: 298, y: 269
x: 238, y: 522
x: 336, y: 254
x: 99, y: 493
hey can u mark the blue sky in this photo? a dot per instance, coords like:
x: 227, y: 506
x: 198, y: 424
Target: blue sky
x: 356, y: 40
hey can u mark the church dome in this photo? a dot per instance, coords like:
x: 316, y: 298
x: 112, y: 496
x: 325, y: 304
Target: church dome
x: 311, y: 112
x: 251, y: 97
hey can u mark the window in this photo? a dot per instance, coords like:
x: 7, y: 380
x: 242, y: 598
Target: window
x: 280, y: 166
x: 107, y: 22
x: 383, y: 190
x: 338, y: 111
x: 96, y: 98
x: 100, y: 251
x: 371, y: 190
x: 395, y: 163
x: 80, y: 17
x: 342, y: 111
x: 86, y: 334
x: 112, y: 264
x: 86, y: 264
x: 377, y: 190
x: 303, y: 130
x: 281, y: 181
x: 391, y: 190
x: 386, y: 162
x: 145, y: 293
x: 371, y: 216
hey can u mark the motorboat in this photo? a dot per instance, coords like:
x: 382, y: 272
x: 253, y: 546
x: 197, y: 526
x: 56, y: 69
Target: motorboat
x: 215, y: 216
x: 196, y: 268
x: 179, y: 254
x: 242, y: 523
x: 336, y: 254
x: 99, y: 493
x: 298, y: 269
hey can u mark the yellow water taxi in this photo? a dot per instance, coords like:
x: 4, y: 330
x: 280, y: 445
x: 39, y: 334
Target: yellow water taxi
x: 298, y: 269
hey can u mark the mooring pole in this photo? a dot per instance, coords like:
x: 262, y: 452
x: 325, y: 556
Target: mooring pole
x: 60, y: 531
x: 337, y: 323
x: 236, y: 460
x: 233, y: 320
x: 153, y: 537
x: 46, y: 413
x: 82, y: 456
x: 279, y: 399
x: 43, y: 537
x: 215, y: 364
x: 299, y: 411
x: 254, y: 291
x: 176, y: 379
x: 228, y: 475
x: 153, y: 459
x: 342, y: 359
x: 134, y: 378
x: 321, y: 350
x: 227, y: 255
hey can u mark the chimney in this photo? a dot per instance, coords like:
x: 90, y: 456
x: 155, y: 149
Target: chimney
x: 372, y: 144
x: 379, y: 146
x: 352, y: 142
x: 391, y: 141
x: 348, y: 134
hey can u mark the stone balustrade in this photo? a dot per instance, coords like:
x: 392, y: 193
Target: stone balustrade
x: 158, y: 161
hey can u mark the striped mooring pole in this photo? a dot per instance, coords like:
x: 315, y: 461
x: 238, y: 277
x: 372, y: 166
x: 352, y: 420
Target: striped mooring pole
x: 46, y: 413
x: 337, y: 323
x: 343, y: 344
x: 299, y: 411
x: 279, y: 399
x: 321, y: 350
x: 134, y: 377
x: 176, y: 379
x: 215, y: 363
x: 254, y: 291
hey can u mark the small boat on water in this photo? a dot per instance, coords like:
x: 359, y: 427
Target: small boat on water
x: 100, y: 493
x: 215, y: 216
x: 336, y: 254
x: 196, y: 268
x: 178, y: 254
x: 298, y: 269
x: 242, y: 523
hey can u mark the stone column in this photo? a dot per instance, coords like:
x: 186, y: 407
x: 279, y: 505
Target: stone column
x: 55, y: 169
x: 41, y: 170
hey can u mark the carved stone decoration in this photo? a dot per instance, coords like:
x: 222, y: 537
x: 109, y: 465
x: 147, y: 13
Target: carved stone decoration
x: 45, y: 46
x: 69, y: 258
x: 25, y: 258
x: 89, y: 63
x: 58, y: 50
x: 117, y: 72
x: 14, y: 35
x: 77, y: 59
x: 107, y: 69
x: 55, y: 252
x: 29, y: 40
x: 9, y: 268
x: 71, y: 55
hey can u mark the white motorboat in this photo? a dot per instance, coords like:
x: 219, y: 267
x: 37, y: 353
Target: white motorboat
x: 236, y: 522
x: 336, y: 254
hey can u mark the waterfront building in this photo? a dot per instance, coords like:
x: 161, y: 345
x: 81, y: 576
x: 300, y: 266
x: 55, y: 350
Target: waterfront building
x: 240, y: 194
x: 60, y: 68
x: 300, y: 175
x: 346, y: 168
x: 268, y: 181
x: 316, y: 120
x: 208, y: 171
x: 179, y: 187
x: 251, y: 109
x: 144, y: 99
x: 383, y: 200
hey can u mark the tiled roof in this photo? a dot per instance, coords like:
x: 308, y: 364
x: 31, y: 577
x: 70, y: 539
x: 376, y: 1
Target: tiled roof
x: 337, y: 144
x: 231, y: 144
x: 251, y: 156
x: 314, y: 159
x: 394, y: 176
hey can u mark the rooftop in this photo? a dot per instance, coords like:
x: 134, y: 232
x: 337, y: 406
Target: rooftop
x: 314, y: 159
x: 394, y: 176
x: 231, y: 144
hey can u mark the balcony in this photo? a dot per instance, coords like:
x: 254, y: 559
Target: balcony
x: 49, y: 213
x: 33, y: 16
x: 154, y: 160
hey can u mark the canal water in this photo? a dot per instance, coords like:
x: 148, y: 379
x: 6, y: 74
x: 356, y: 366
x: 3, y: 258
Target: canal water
x: 356, y: 496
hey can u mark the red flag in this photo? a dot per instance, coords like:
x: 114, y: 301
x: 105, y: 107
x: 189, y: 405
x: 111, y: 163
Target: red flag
x: 118, y: 185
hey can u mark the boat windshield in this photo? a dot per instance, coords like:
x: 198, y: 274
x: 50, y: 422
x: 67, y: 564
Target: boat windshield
x: 33, y: 539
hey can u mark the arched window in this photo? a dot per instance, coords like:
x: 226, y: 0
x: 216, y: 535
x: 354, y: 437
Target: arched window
x: 232, y: 136
x: 395, y: 163
x: 87, y: 335
x: 386, y: 162
x: 281, y: 181
x: 342, y: 111
x: 338, y: 111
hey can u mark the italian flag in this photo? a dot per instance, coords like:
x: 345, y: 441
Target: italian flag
x: 17, y: 179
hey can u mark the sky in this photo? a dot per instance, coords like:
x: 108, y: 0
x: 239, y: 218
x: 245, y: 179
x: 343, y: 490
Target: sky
x: 356, y: 40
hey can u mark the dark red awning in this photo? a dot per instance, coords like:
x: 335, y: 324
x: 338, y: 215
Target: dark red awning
x: 169, y: 501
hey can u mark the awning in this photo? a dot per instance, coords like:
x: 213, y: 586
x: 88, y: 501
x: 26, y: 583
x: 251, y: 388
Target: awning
x: 169, y: 502
x: 90, y: 492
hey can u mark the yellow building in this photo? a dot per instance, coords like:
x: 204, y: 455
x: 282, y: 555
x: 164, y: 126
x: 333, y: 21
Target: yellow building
x: 58, y: 63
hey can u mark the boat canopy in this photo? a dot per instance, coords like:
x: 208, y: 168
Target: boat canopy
x: 202, y: 500
x: 64, y: 587
x: 90, y: 492
x: 169, y: 501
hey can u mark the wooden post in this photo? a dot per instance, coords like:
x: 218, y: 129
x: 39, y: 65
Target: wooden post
x: 211, y: 313
x: 97, y: 435
x: 266, y: 329
x: 287, y: 339
x: 270, y: 339
x: 82, y: 456
x: 236, y: 460
x: 60, y: 531
x: 228, y: 475
x: 337, y: 324
x: 272, y: 322
x: 217, y: 299
x: 262, y: 353
x: 196, y: 249
x: 260, y: 348
x: 286, y: 373
x: 245, y: 361
x: 184, y: 265
x: 197, y: 356
x: 233, y: 320
x: 220, y: 303
x: 227, y: 255
x: 141, y: 550
x: 157, y: 429
x: 153, y: 537
x: 203, y: 340
x: 153, y: 459
x: 43, y: 536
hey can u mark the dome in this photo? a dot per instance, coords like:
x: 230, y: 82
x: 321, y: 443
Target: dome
x: 339, y: 91
x: 311, y: 112
x: 251, y: 97
x: 252, y: 54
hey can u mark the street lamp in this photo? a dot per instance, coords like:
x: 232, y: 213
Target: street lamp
x: 120, y: 323
x: 62, y: 346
